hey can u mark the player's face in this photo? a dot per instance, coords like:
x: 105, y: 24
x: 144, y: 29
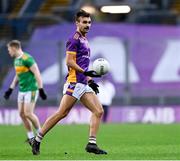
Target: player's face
x: 12, y: 51
x: 84, y: 24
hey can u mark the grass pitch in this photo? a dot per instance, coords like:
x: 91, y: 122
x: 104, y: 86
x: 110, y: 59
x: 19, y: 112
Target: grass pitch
x: 122, y: 141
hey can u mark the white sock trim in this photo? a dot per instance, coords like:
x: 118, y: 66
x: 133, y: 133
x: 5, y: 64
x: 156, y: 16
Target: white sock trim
x: 92, y: 139
x: 39, y: 137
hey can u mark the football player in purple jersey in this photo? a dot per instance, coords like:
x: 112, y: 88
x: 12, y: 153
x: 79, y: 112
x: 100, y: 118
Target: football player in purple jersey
x: 79, y: 85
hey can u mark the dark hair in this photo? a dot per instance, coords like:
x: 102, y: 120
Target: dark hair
x: 15, y: 43
x: 81, y: 13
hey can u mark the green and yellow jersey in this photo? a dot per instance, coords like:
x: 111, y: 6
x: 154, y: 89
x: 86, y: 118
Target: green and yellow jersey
x: 26, y: 79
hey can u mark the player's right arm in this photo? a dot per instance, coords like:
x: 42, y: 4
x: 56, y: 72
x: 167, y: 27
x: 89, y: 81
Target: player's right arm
x: 14, y: 82
x: 12, y: 86
x: 71, y: 52
x: 70, y: 62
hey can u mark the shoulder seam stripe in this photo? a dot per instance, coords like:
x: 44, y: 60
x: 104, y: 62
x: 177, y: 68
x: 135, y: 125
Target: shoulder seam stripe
x: 71, y: 52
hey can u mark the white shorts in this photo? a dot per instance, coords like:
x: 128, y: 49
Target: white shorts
x: 76, y: 89
x: 28, y: 97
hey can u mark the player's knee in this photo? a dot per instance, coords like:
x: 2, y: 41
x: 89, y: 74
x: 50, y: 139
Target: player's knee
x: 62, y: 114
x: 22, y: 115
x: 28, y: 114
x: 100, y: 112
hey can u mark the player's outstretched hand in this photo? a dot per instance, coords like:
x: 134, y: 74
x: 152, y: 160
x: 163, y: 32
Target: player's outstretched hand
x: 91, y: 73
x: 94, y: 86
x: 8, y: 93
x: 42, y: 94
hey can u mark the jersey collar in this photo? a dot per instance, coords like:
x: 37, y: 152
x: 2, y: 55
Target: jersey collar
x: 80, y: 34
x: 20, y: 56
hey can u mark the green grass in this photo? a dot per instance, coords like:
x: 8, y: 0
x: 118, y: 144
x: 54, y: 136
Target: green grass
x: 122, y: 141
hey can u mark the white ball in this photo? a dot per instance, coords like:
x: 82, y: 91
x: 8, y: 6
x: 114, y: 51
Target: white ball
x: 101, y: 66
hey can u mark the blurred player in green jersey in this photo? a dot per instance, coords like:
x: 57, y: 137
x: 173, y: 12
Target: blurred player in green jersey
x: 30, y: 84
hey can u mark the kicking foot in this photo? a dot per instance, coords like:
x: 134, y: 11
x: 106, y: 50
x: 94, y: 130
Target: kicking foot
x: 35, y: 147
x: 93, y: 148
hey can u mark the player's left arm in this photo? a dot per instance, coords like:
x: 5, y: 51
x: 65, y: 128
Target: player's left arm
x: 88, y: 78
x: 35, y: 70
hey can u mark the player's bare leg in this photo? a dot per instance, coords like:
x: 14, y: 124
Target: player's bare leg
x: 29, y: 113
x: 26, y: 121
x: 91, y: 101
x: 65, y: 106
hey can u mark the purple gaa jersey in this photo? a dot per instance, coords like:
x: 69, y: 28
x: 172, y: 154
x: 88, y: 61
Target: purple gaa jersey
x: 78, y: 46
